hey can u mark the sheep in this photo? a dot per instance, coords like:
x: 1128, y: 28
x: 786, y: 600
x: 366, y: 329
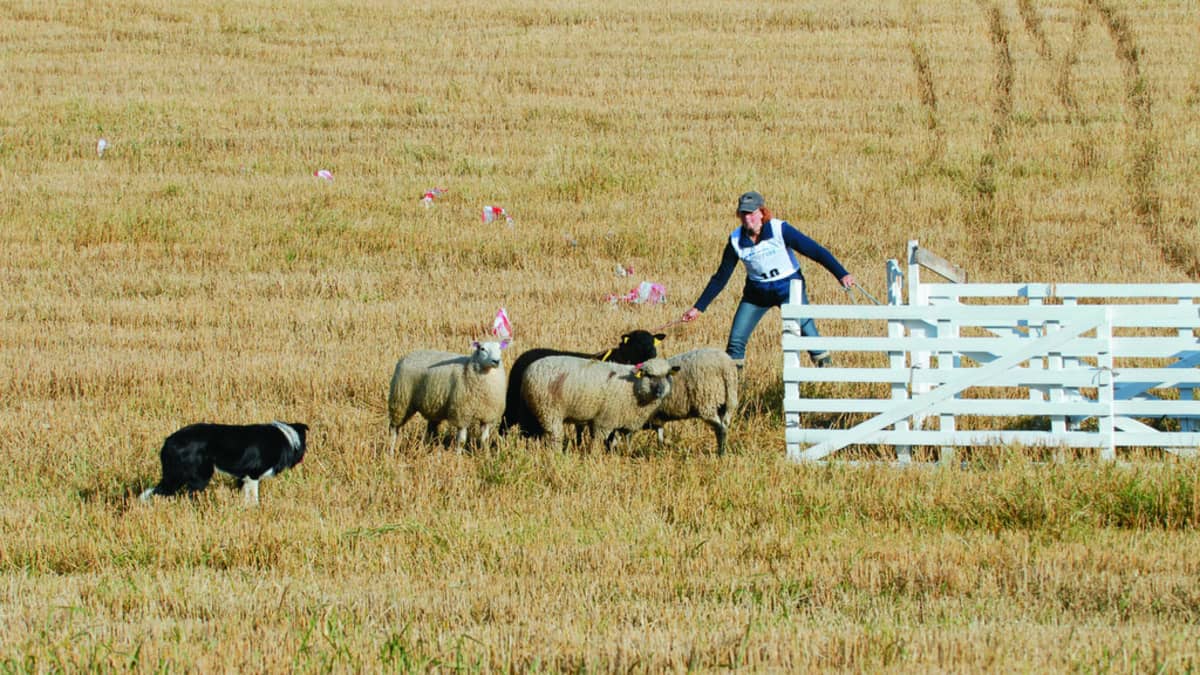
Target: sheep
x: 606, y: 396
x: 462, y: 390
x: 636, y: 347
x: 704, y: 388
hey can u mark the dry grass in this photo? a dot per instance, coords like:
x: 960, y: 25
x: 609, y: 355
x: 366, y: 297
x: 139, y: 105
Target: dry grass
x: 199, y: 271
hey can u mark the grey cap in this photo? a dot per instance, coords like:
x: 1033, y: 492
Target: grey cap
x: 750, y: 202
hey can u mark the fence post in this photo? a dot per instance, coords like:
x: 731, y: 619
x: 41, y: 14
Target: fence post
x: 949, y: 362
x: 1055, y: 394
x: 791, y: 359
x: 917, y: 296
x: 1034, y: 295
x: 897, y: 359
x: 1187, y: 393
x: 1071, y: 394
x: 1105, y: 390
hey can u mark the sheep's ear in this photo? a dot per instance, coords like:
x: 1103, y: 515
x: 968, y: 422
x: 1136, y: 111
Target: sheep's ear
x: 659, y: 337
x: 674, y: 369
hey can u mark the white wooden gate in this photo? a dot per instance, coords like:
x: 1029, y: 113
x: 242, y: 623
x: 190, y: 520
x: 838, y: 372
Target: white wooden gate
x: 1086, y: 365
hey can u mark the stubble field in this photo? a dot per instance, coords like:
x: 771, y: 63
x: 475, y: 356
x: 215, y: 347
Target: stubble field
x: 198, y: 270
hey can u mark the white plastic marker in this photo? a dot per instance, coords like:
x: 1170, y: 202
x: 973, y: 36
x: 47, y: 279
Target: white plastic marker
x: 501, y: 326
x: 651, y: 293
x: 491, y: 213
x: 101, y: 146
x: 645, y: 293
x: 323, y: 174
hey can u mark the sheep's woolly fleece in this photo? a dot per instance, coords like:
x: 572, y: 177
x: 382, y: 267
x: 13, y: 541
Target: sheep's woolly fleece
x: 606, y: 396
x: 463, y: 390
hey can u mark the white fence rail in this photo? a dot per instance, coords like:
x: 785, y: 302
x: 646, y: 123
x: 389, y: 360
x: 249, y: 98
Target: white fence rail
x: 1089, y: 375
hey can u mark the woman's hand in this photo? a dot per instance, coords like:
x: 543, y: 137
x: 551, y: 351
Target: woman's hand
x: 690, y: 315
x: 848, y: 281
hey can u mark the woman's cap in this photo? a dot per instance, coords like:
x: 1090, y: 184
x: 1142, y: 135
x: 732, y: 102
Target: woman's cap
x: 750, y: 202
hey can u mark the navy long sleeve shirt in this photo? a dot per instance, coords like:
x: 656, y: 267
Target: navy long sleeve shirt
x: 771, y: 293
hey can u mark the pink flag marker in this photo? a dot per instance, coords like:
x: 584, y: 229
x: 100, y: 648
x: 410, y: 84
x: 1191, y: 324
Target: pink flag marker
x: 323, y: 174
x: 501, y: 326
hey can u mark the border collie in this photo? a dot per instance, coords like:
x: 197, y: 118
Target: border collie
x: 247, y: 452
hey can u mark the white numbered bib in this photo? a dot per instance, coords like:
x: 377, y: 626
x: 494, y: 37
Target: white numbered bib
x: 770, y: 259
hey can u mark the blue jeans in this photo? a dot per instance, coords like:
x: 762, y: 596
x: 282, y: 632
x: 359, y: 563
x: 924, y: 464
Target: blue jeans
x: 746, y: 319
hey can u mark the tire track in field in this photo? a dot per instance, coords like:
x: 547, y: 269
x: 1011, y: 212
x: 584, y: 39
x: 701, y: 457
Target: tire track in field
x: 1033, y: 25
x: 1084, y: 142
x: 1144, y: 156
x: 984, y: 186
x: 1174, y: 241
x: 925, y: 88
x: 1002, y: 81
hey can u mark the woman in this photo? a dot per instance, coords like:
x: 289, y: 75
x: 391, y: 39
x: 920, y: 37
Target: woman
x: 765, y: 246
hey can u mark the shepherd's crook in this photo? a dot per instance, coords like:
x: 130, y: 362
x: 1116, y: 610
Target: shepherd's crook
x: 667, y: 325
x: 850, y: 292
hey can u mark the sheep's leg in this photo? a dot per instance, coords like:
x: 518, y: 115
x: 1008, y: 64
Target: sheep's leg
x: 601, y: 436
x: 722, y: 433
x: 485, y: 430
x: 394, y: 427
x: 460, y: 440
x: 431, y: 432
x: 615, y: 437
x: 554, y: 428
x: 618, y: 439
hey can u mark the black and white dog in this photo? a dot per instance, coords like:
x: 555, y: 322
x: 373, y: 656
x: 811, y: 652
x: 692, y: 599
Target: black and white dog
x: 247, y: 452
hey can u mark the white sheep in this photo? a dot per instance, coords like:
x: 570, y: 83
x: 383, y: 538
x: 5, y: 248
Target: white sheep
x: 605, y: 396
x: 462, y: 390
x: 704, y: 388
